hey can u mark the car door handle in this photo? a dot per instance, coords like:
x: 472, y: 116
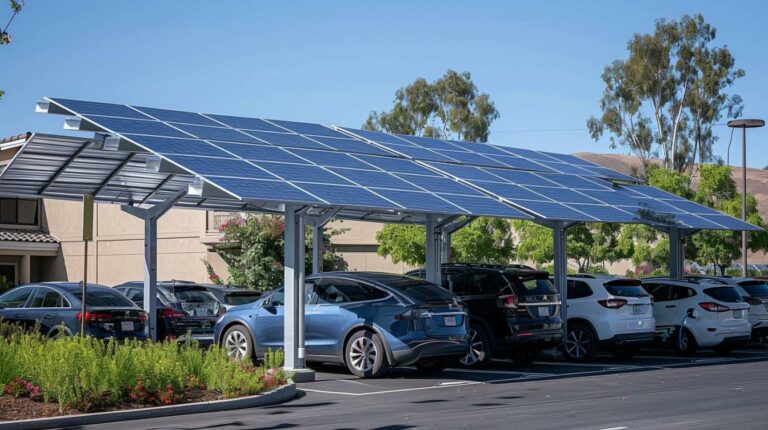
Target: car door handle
x: 671, y: 306
x: 17, y: 316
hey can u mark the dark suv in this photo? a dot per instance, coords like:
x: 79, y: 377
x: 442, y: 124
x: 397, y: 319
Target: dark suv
x: 514, y: 310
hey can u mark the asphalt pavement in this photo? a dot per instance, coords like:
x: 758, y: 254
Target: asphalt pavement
x: 656, y: 390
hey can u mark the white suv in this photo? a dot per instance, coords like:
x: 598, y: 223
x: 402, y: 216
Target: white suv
x: 754, y: 292
x: 716, y: 314
x: 607, y: 312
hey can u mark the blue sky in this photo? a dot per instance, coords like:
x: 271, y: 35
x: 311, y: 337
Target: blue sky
x: 334, y: 62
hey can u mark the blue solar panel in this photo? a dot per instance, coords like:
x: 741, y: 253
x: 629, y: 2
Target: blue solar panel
x: 437, y: 184
x: 206, y: 166
x: 277, y: 191
x: 217, y: 133
x: 245, y: 123
x: 732, y: 223
x: 428, y: 142
x: 689, y: 206
x: 418, y: 153
x: 259, y: 152
x: 376, y: 136
x: 96, y: 108
x: 520, y: 177
x: 137, y: 126
x: 578, y: 182
x: 556, y: 211
x: 509, y: 191
x: 374, y: 178
x: 286, y: 139
x: 331, y: 159
x: 563, y: 195
x: 694, y: 221
x: 651, y: 192
x: 396, y: 165
x: 353, y: 196
x: 465, y: 172
x: 480, y: 148
x: 606, y: 213
x: 351, y: 145
x: 177, y: 116
x: 484, y: 206
x: 566, y: 168
x: 522, y: 163
x: 169, y: 145
x: 569, y: 159
x: 608, y: 173
x: 307, y: 128
x: 302, y: 173
x: 657, y: 206
x: 420, y: 201
x: 527, y: 154
x: 472, y: 158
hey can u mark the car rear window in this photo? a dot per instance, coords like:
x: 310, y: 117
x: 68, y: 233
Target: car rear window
x: 241, y: 299
x: 190, y: 295
x: 625, y: 288
x: 724, y: 294
x: 424, y: 292
x: 106, y: 298
x: 532, y: 285
x: 755, y: 288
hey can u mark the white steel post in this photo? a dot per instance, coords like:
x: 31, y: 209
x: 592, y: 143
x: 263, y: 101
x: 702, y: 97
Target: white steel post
x: 150, y: 276
x: 445, y: 245
x: 317, y: 249
x: 301, y: 294
x: 291, y: 311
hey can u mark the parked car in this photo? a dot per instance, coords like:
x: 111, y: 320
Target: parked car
x: 715, y: 315
x: 56, y: 307
x: 514, y: 310
x: 368, y: 321
x: 607, y: 312
x: 232, y: 297
x: 183, y: 308
x: 754, y: 292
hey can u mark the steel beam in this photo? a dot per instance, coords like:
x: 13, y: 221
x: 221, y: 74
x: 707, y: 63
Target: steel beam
x: 291, y: 316
x: 64, y: 167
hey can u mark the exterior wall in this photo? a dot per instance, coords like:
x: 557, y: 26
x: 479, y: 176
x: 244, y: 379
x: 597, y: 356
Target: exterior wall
x: 357, y: 245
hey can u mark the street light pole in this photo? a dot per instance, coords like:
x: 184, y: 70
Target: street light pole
x: 744, y: 124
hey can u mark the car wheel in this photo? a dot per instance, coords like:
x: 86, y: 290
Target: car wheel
x: 479, y: 354
x: 431, y: 365
x: 365, y: 355
x: 238, y: 343
x: 524, y: 357
x: 580, y: 344
x: 684, y: 342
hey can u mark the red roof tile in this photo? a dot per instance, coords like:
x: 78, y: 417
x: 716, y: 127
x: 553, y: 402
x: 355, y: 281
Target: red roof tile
x: 26, y: 236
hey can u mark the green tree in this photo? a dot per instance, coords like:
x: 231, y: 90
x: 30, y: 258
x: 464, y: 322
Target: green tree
x: 5, y: 37
x: 254, y: 249
x: 668, y: 93
x: 484, y: 240
x: 534, y: 242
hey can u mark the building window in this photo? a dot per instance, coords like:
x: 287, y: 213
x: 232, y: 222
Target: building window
x: 18, y: 211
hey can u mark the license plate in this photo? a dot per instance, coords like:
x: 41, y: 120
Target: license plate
x: 126, y: 325
x: 543, y: 311
x: 638, y: 309
x: 737, y: 314
x: 449, y: 321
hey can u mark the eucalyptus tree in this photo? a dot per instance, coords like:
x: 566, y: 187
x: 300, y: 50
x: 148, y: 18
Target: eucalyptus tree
x: 5, y: 37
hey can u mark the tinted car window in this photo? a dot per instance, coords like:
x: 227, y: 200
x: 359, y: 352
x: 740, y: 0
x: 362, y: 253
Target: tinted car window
x: 337, y: 291
x: 453, y: 280
x: 241, y: 299
x: 532, y: 285
x: 136, y: 295
x: 755, y: 288
x: 625, y: 288
x: 15, y: 298
x: 103, y: 298
x: 659, y: 292
x: 47, y: 298
x: 724, y: 294
x: 680, y: 293
x: 578, y: 289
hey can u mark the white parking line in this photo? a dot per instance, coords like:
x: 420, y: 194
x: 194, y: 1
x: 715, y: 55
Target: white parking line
x: 402, y: 390
x: 615, y: 428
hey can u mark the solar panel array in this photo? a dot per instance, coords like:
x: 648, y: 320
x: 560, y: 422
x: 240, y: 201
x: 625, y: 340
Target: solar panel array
x: 286, y: 161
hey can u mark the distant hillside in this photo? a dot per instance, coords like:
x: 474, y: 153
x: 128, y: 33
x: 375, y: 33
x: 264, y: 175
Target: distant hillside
x: 757, y: 181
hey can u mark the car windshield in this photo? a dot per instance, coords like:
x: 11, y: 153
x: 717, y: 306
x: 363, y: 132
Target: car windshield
x: 106, y: 298
x: 527, y: 285
x: 625, y: 288
x: 424, y: 292
x: 724, y: 294
x: 755, y: 288
x: 241, y: 299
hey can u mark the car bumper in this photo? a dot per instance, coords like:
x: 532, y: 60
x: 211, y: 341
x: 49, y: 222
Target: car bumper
x: 629, y: 340
x: 735, y: 340
x: 448, y: 349
x: 529, y: 341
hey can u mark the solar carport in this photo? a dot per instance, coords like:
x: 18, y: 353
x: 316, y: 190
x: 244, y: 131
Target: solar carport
x: 149, y: 160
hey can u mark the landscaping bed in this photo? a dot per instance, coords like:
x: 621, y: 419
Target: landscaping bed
x: 42, y: 377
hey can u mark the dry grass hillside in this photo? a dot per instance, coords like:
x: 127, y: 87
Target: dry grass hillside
x: 757, y: 181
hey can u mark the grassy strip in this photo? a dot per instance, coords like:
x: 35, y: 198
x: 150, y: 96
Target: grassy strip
x: 88, y: 373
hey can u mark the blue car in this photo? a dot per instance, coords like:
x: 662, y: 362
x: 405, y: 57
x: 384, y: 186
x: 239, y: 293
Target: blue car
x: 55, y: 306
x: 368, y: 321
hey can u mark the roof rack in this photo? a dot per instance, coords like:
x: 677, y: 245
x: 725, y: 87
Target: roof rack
x: 667, y: 278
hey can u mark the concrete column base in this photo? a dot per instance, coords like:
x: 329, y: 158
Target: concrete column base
x: 302, y: 375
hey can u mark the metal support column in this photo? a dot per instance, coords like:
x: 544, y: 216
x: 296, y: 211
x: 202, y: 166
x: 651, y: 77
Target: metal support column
x: 445, y: 245
x: 561, y: 270
x: 744, y: 271
x: 432, y: 254
x: 317, y: 249
x: 676, y: 253
x: 150, y: 217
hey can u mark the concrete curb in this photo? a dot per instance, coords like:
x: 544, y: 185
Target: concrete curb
x: 282, y: 394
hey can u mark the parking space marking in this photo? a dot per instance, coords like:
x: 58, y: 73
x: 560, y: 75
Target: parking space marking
x: 615, y: 428
x: 402, y: 390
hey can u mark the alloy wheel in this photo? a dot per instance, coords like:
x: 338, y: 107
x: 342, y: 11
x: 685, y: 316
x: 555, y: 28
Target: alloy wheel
x: 362, y: 354
x: 476, y: 349
x: 577, y: 344
x: 236, y: 345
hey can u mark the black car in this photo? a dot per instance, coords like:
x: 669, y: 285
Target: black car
x: 183, y: 308
x: 55, y: 309
x: 231, y: 296
x: 514, y: 310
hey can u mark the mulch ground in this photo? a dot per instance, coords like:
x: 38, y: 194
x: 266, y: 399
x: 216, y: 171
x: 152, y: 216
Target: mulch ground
x: 12, y: 409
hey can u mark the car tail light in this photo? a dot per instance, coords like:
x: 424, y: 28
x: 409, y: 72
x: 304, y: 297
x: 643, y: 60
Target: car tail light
x: 94, y: 316
x: 612, y: 303
x: 508, y: 301
x: 171, y: 313
x: 142, y: 316
x: 414, y: 314
x: 714, y: 307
